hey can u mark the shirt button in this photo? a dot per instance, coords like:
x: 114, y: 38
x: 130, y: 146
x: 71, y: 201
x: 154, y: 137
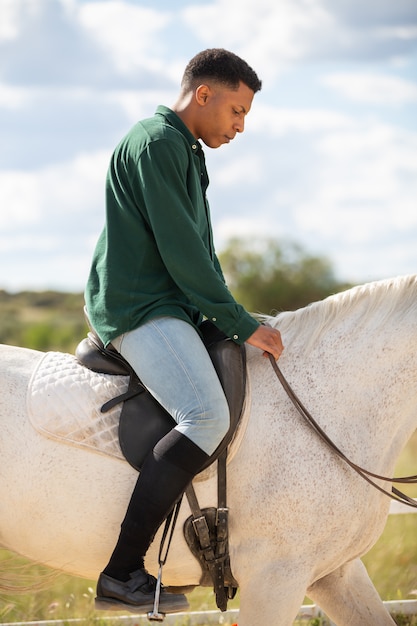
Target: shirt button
x: 235, y: 336
x: 194, y: 147
x: 214, y: 319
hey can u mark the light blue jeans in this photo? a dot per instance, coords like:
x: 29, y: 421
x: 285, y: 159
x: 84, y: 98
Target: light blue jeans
x: 172, y: 362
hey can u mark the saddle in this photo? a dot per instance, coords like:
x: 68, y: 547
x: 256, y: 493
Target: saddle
x: 143, y: 422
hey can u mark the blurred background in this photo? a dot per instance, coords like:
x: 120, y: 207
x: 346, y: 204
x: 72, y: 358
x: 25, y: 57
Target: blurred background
x: 328, y: 159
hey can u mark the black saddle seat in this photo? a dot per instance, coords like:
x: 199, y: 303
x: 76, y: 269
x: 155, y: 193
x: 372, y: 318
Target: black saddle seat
x: 143, y: 421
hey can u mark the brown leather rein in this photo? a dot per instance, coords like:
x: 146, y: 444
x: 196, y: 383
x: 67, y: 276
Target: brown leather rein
x: 395, y: 494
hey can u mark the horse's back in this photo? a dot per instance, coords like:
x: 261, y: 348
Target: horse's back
x: 16, y: 367
x: 14, y: 359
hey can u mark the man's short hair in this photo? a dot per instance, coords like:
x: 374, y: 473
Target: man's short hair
x: 220, y: 66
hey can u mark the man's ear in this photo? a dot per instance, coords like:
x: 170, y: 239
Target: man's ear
x: 203, y: 94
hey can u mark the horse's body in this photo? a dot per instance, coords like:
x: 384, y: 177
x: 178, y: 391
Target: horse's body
x: 299, y: 518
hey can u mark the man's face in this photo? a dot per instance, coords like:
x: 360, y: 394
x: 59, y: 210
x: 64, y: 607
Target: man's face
x: 222, y: 113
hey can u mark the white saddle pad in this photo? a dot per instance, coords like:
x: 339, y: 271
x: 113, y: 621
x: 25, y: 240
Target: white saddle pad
x: 64, y: 400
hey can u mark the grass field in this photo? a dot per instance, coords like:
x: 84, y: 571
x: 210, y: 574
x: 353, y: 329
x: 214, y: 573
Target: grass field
x: 392, y: 564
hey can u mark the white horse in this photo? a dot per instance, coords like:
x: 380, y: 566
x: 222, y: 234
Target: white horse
x: 300, y: 518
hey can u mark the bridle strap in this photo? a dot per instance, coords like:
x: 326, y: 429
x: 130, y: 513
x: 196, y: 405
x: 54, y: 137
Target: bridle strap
x: 365, y: 474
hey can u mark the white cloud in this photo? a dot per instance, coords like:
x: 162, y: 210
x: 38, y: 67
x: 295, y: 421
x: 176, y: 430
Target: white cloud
x: 366, y: 185
x: 137, y: 104
x: 75, y: 185
x: 281, y: 121
x: 399, y: 14
x: 9, y: 26
x: 232, y: 171
x: 129, y: 35
x: 342, y: 186
x: 406, y: 32
x: 281, y: 32
x: 291, y: 31
x: 20, y: 199
x: 13, y: 97
x: 70, y: 42
x: 52, y: 219
x: 257, y: 226
x: 52, y: 193
x: 22, y: 243
x: 372, y: 88
x: 44, y: 262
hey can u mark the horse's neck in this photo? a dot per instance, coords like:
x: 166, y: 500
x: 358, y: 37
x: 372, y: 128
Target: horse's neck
x: 358, y: 376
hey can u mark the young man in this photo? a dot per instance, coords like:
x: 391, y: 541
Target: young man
x: 154, y: 276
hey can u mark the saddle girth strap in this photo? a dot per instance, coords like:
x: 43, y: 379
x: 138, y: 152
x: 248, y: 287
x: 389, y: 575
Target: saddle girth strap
x: 213, y: 543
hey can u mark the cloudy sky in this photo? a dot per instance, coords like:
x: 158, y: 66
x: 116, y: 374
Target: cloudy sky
x: 328, y: 158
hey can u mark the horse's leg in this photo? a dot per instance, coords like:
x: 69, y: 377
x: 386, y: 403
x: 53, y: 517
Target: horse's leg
x: 349, y: 598
x: 272, y: 595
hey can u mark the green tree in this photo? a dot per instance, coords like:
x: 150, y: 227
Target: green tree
x: 269, y: 276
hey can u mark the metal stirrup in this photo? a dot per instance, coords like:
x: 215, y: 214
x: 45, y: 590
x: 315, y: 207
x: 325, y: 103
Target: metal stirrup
x: 155, y: 615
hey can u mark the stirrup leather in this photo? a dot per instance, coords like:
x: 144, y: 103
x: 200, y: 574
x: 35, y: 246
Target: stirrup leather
x: 207, y: 534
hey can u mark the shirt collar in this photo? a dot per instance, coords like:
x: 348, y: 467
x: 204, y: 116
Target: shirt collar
x: 174, y: 120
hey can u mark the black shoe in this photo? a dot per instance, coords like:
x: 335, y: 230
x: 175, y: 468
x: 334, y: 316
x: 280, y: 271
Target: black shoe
x: 136, y: 595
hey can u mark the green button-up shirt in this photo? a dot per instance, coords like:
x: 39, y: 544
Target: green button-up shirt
x: 155, y: 255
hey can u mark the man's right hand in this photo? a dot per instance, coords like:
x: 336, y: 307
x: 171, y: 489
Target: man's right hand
x: 267, y: 339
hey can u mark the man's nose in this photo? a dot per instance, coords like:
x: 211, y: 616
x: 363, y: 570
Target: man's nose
x: 240, y: 126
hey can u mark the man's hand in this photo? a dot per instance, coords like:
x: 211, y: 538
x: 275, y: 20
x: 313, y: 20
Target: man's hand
x: 267, y: 339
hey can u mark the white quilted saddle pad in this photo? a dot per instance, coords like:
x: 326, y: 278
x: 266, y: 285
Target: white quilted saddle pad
x: 64, y: 400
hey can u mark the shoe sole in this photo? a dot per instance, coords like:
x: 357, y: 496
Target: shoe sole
x: 165, y: 606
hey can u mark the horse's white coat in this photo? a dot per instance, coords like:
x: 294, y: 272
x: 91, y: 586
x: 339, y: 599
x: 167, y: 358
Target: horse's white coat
x: 299, y: 518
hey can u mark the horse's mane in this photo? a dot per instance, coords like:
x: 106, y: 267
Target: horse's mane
x: 380, y: 300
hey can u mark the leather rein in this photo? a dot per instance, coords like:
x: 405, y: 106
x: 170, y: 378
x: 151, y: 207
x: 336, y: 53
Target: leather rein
x: 395, y: 494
